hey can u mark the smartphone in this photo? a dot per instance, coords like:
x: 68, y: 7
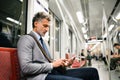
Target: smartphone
x: 73, y: 58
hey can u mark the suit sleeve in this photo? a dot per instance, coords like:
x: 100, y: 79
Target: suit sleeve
x: 25, y: 48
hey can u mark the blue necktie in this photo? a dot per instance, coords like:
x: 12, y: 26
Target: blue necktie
x: 44, y: 47
x: 41, y: 40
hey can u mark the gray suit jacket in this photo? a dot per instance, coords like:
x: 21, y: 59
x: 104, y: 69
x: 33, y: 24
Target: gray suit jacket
x: 32, y: 61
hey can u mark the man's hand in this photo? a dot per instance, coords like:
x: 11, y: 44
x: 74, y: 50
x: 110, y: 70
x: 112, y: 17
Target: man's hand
x: 59, y: 62
x: 69, y: 61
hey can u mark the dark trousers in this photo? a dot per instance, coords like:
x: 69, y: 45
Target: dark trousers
x: 104, y: 59
x: 89, y: 62
x: 76, y: 74
x: 113, y: 63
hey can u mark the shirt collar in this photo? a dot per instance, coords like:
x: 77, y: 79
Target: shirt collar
x: 37, y: 35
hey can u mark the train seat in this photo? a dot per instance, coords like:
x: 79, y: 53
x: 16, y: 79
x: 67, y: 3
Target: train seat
x: 9, y: 64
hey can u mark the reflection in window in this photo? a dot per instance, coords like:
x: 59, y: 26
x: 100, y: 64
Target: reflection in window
x: 57, y: 35
x: 10, y: 20
x: 5, y: 37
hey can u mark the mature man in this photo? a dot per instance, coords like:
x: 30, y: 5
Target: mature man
x: 117, y: 46
x: 115, y: 57
x: 35, y: 58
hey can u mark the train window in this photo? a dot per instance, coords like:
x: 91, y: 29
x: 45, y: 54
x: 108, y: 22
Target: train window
x: 11, y: 21
x: 118, y: 36
x: 57, y: 34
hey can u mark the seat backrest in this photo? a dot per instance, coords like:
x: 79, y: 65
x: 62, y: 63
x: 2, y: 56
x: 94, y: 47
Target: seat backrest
x: 9, y: 65
x: 78, y: 64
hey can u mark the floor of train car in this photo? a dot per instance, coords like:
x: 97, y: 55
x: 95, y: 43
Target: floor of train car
x: 103, y: 71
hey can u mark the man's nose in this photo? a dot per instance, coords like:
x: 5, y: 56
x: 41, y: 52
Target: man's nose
x: 47, y: 28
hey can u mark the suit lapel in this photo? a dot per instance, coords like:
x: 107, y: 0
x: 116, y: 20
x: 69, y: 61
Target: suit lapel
x: 47, y: 51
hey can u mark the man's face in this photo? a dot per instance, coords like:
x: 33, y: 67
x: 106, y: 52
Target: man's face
x: 41, y: 27
x: 117, y: 47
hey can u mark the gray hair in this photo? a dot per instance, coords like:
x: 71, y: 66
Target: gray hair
x: 39, y: 16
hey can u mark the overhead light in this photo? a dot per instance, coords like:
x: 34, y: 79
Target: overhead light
x: 21, y: 0
x: 13, y: 20
x: 83, y: 30
x: 85, y: 36
x: 118, y: 16
x: 111, y: 27
x: 94, y: 41
x: 114, y: 19
x: 119, y: 34
x: 80, y: 16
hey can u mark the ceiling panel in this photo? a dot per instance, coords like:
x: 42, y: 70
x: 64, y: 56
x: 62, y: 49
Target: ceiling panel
x: 96, y: 14
x: 92, y: 10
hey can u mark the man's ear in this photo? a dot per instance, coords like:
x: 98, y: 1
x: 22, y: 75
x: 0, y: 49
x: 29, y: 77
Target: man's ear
x: 35, y: 23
